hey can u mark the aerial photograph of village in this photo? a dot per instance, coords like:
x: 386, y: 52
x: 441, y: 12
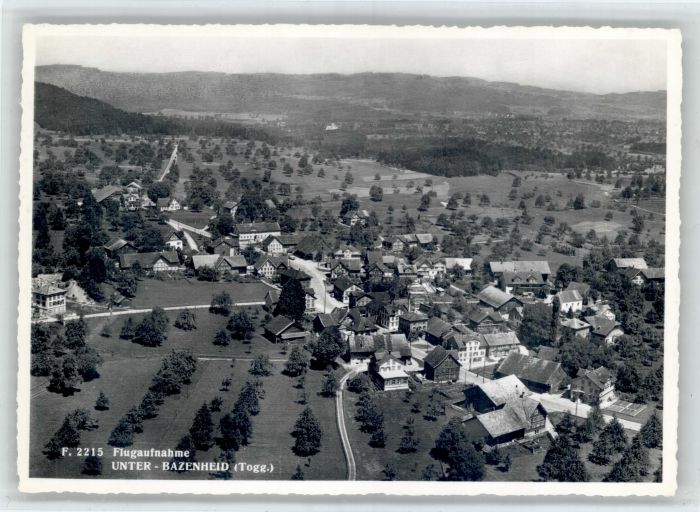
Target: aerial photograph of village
x: 361, y: 276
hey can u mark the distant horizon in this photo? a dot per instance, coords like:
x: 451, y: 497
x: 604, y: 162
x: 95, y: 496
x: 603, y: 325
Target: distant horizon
x: 596, y: 61
x: 465, y: 77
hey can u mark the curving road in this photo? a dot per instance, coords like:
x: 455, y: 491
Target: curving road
x: 347, y: 449
x: 325, y: 302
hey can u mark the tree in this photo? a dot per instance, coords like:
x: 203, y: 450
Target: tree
x: 122, y: 435
x: 66, y: 436
x: 221, y: 304
x: 186, y: 320
x: 454, y: 448
x: 248, y: 399
x: 92, y: 465
x: 328, y: 346
x: 185, y: 445
x: 292, y: 301
x: 102, y: 403
x: 562, y: 463
x: 378, y: 437
x: 65, y: 376
x: 389, y: 471
x: 298, y: 474
x: 633, y: 464
x: 424, y: 203
x: 222, y: 338
x: 148, y: 408
x: 307, y: 433
x: 535, y: 328
x: 241, y: 326
x: 651, y: 433
x: 297, y: 363
x: 409, y: 442
x: 579, y: 202
x: 611, y: 440
x: 202, y: 428
x: 128, y: 329
x: 592, y: 425
x: 329, y: 385
x: 261, y: 366
x: 376, y: 193
x: 151, y: 331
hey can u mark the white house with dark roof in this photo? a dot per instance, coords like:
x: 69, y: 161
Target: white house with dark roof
x: 255, y: 233
x: 570, y: 300
x: 593, y: 386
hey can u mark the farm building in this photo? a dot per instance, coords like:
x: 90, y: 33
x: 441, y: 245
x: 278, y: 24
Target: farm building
x: 441, y: 365
x: 282, y: 328
x: 494, y: 394
x: 603, y: 329
x: 539, y: 375
x: 167, y: 261
x: 499, y: 345
x: 498, y: 300
x: 255, y: 233
x: 518, y: 418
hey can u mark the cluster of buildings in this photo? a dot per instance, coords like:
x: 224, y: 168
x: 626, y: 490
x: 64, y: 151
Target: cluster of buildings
x: 133, y: 197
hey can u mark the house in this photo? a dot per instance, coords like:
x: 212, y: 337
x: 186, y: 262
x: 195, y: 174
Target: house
x: 200, y: 261
x: 388, y: 316
x: 289, y: 241
x: 519, y: 418
x: 118, y: 246
x: 548, y: 353
x: 343, y: 288
x: 314, y: 247
x: 235, y: 265
x: 593, y: 386
x: 468, y: 347
x: 583, y: 289
x: 617, y: 264
x: 229, y: 208
x: 352, y: 217
x: 498, y: 300
x: 603, y: 329
x: 351, y: 268
x: 570, y: 300
x: 347, y: 252
x: 166, y: 261
x: 168, y: 204
x: 379, y: 272
x: 272, y: 245
x: 634, y: 275
x: 539, y: 375
x: 487, y: 321
x: 499, y: 345
x: 282, y: 328
x: 494, y: 394
x: 392, y: 354
x: 298, y: 275
x: 463, y: 263
x: 333, y: 319
x: 147, y: 203
x: 174, y: 240
x: 272, y: 297
x: 255, y: 233
x: 579, y: 327
x: 360, y: 350
x: 522, y: 282
x: 429, y: 268
x: 441, y: 365
x: 225, y: 246
x: 309, y: 299
x: 356, y: 323
x: 436, y: 330
x: 498, y: 268
x: 394, y: 244
x: 47, y: 298
x: 405, y: 271
x: 100, y: 194
x: 654, y: 274
x: 270, y: 266
x: 413, y: 324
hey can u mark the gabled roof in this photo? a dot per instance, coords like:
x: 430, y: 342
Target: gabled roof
x: 465, y: 263
x: 498, y: 267
x: 501, y: 339
x: 481, y: 315
x: 437, y: 327
x: 414, y: 317
x: 100, y: 194
x: 292, y: 273
x: 343, y: 283
x: 275, y: 261
x: 279, y: 324
x: 437, y: 356
x: 637, y: 263
x: 349, y: 265
x: 393, y: 344
x: 526, y: 277
x: 425, y: 238
x: 268, y: 241
x: 229, y: 205
x: 257, y: 227
x: 235, y: 261
x: 361, y: 344
x: 599, y: 377
x: 205, y: 260
x: 512, y: 417
x: 601, y: 325
x: 494, y: 297
x: 528, y: 368
x: 574, y: 324
x: 147, y: 259
x: 654, y: 273
x: 569, y: 296
x: 502, y: 390
x: 231, y: 242
x: 582, y: 288
x: 116, y: 244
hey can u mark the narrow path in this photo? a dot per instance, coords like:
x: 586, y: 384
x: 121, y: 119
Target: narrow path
x: 142, y: 311
x: 171, y: 161
x: 347, y: 449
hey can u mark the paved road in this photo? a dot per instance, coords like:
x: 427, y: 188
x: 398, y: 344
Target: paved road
x: 186, y: 227
x: 188, y: 238
x: 318, y: 284
x: 340, y: 414
x: 171, y: 161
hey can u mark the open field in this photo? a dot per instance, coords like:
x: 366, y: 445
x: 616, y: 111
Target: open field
x: 371, y: 461
x: 189, y: 291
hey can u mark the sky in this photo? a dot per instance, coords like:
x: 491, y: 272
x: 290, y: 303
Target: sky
x: 588, y: 61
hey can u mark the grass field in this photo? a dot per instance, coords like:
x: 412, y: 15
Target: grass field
x: 183, y: 292
x: 371, y: 461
